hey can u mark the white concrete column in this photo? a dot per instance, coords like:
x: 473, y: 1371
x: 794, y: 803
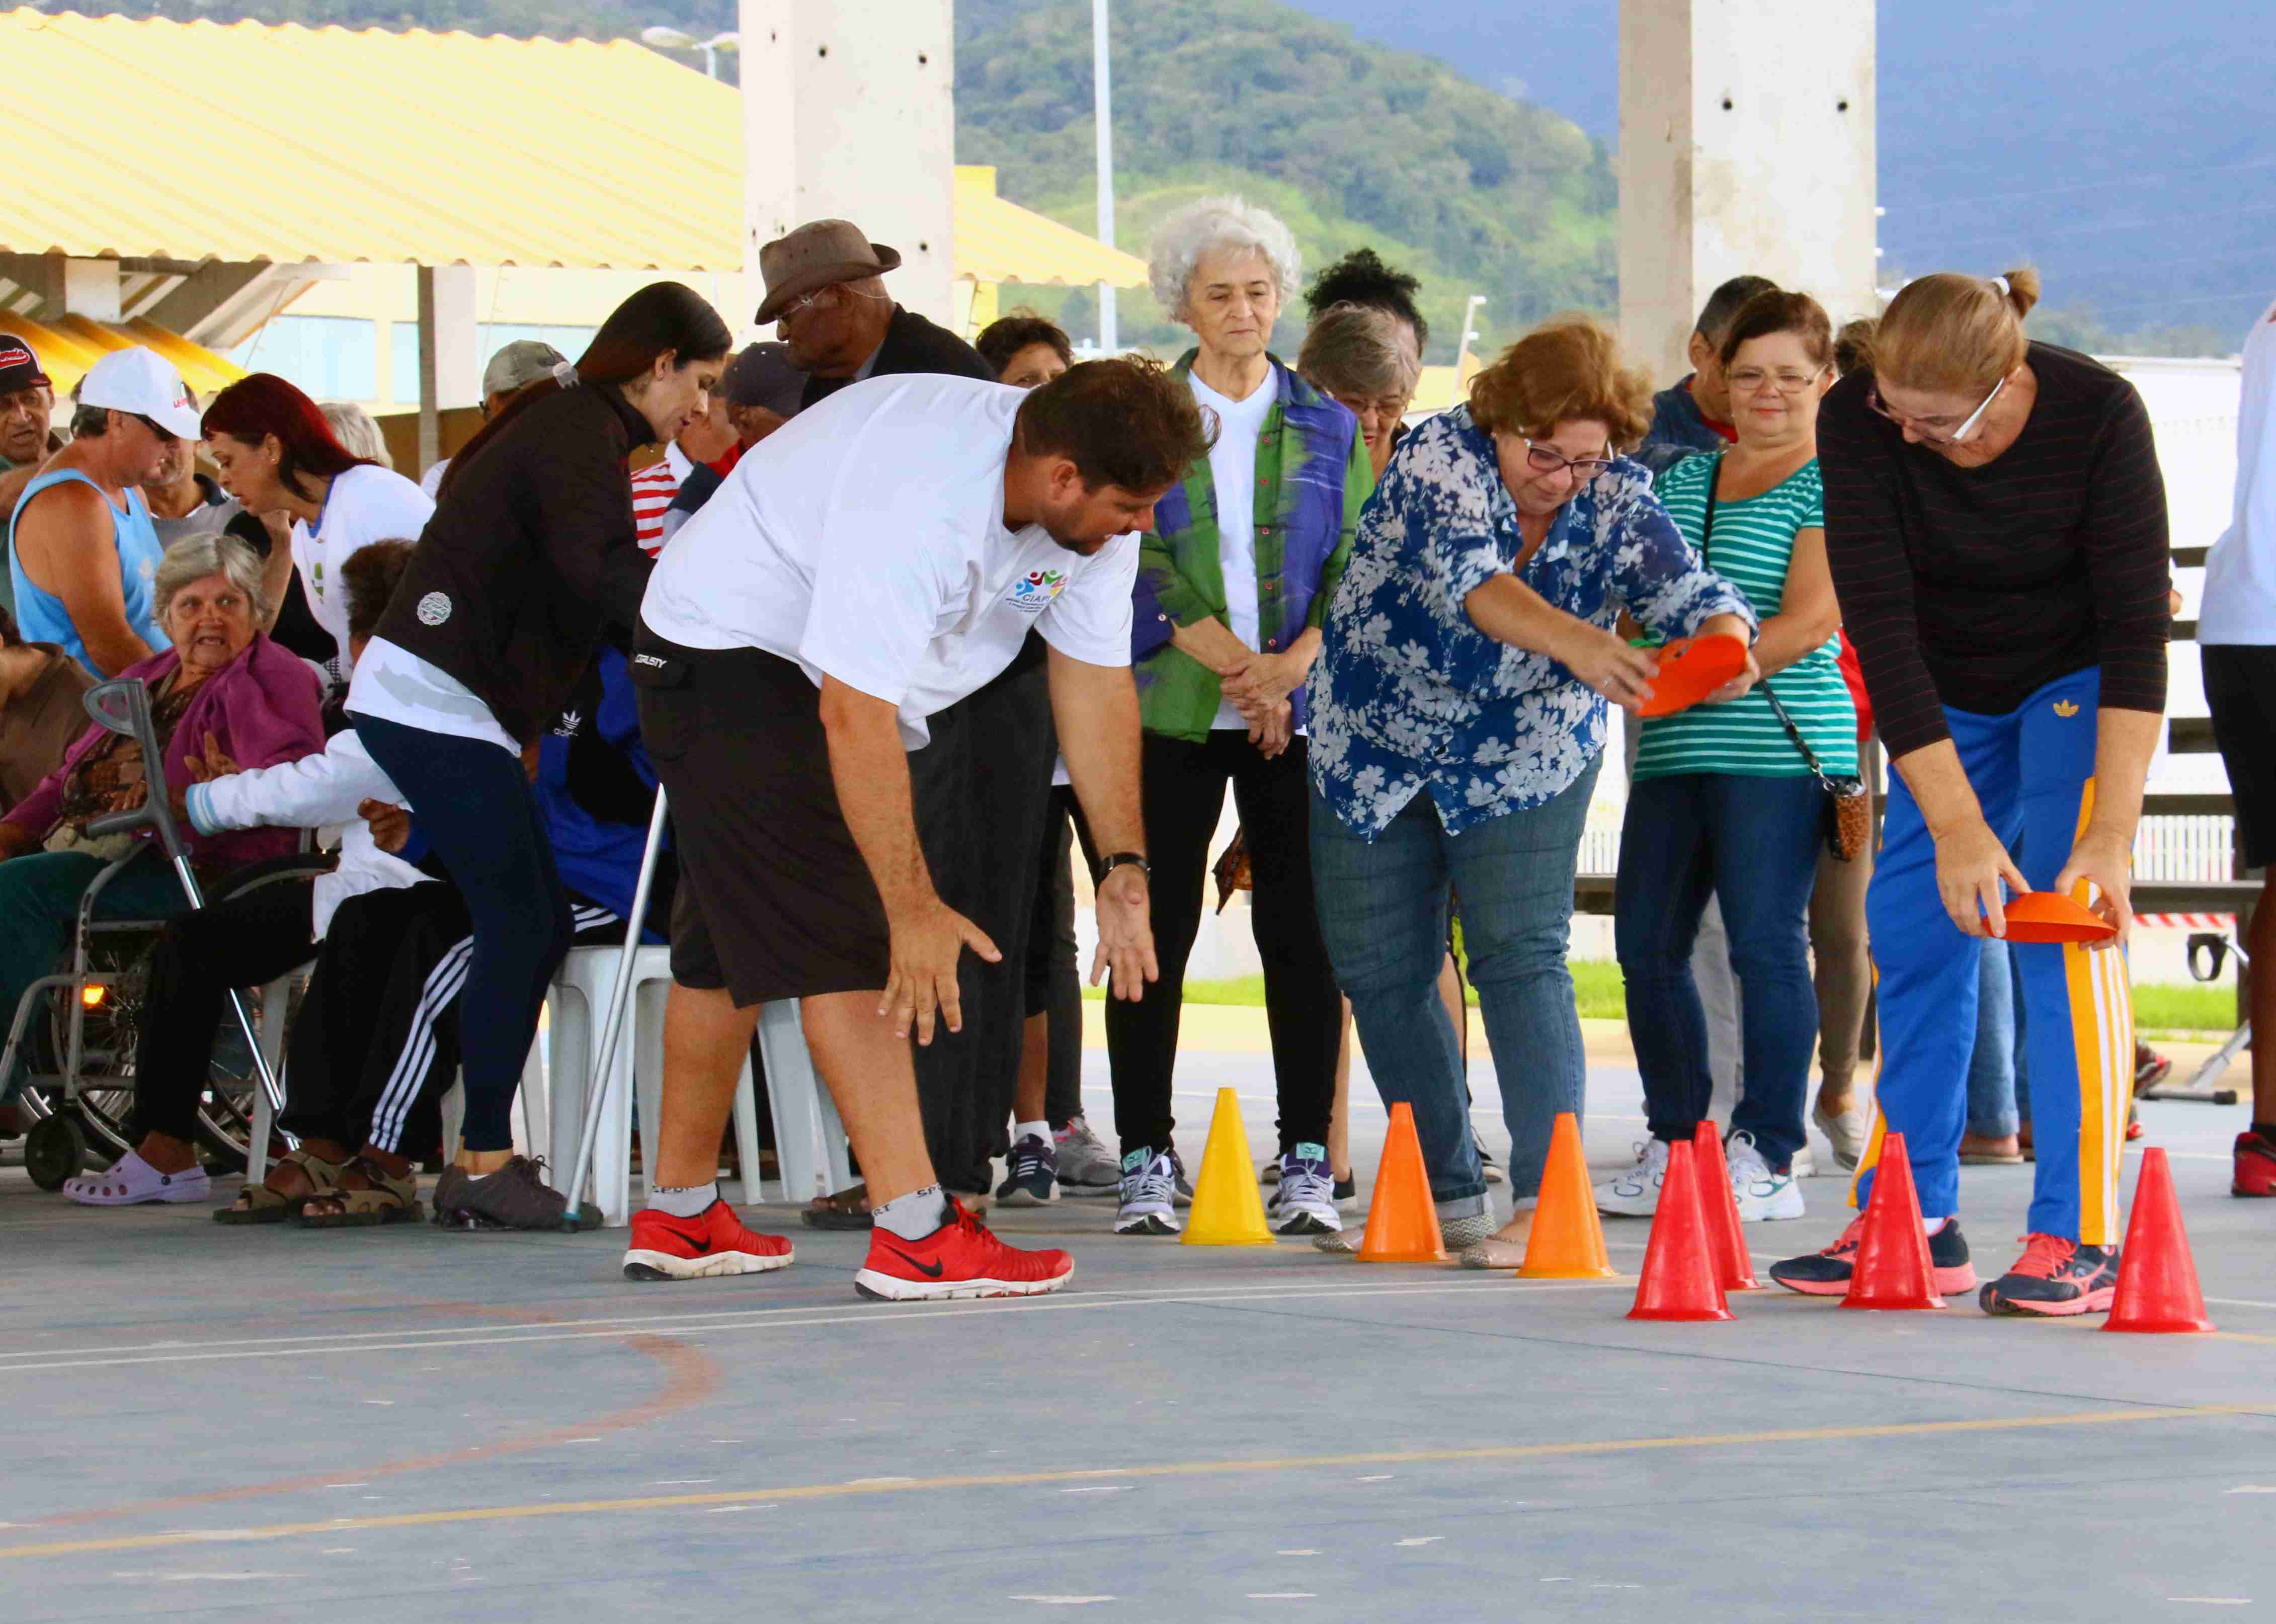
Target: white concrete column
x: 1747, y: 145
x: 450, y: 365
x: 849, y: 113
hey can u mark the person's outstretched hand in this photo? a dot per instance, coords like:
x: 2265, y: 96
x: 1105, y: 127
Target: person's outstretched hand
x: 1126, y: 934
x: 2108, y: 861
x: 1970, y: 863
x: 927, y: 946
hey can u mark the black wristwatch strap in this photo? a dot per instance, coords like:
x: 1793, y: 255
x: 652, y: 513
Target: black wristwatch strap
x: 1125, y: 860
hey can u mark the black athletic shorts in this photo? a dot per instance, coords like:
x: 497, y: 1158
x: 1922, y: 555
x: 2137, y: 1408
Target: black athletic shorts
x: 2240, y: 684
x: 774, y: 899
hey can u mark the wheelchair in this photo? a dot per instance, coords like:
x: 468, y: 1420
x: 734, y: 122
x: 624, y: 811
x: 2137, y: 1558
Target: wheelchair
x: 79, y: 1028
x: 2209, y: 952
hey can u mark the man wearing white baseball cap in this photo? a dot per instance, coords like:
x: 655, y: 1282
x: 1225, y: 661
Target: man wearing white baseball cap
x: 82, y: 548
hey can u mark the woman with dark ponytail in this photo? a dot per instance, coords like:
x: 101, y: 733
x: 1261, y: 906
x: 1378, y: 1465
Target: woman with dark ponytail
x: 529, y: 559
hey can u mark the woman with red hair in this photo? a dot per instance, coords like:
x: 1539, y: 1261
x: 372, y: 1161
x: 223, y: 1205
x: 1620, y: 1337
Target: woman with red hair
x: 275, y: 453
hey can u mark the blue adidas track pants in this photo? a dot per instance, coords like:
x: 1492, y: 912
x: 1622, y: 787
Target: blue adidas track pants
x: 2033, y: 772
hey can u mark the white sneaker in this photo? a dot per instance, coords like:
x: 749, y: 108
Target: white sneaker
x: 1304, y: 1197
x: 1149, y: 1188
x: 1805, y: 1162
x: 1845, y: 1133
x: 1763, y: 1195
x: 1635, y: 1193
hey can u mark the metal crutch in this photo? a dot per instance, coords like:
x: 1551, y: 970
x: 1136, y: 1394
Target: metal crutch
x: 122, y: 707
x: 620, y: 996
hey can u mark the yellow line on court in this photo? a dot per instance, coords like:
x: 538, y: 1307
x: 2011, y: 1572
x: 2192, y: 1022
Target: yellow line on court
x: 1171, y: 1468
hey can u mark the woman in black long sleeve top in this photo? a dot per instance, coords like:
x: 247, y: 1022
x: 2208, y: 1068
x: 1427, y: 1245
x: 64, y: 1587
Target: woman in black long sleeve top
x: 1997, y: 528
x: 530, y: 556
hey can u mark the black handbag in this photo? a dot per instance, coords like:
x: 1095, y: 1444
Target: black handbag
x: 1848, y: 811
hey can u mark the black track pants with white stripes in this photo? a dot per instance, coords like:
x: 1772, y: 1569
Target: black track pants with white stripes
x: 374, y: 1046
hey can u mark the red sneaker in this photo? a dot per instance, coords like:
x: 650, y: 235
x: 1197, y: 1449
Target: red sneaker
x: 2055, y: 1276
x: 665, y: 1248
x: 2256, y: 1166
x: 959, y: 1259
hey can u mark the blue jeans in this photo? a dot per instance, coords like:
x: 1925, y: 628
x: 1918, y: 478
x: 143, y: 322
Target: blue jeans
x: 1998, y: 1098
x: 1383, y: 910
x: 1752, y: 843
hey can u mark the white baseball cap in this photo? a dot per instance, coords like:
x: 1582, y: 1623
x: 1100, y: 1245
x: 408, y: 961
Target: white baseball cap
x: 140, y: 380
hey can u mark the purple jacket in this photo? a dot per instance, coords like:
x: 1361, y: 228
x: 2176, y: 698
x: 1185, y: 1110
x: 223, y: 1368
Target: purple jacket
x: 263, y: 707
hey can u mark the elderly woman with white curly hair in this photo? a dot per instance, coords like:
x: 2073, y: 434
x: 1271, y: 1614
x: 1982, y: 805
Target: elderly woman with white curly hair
x: 1234, y: 582
x: 222, y: 695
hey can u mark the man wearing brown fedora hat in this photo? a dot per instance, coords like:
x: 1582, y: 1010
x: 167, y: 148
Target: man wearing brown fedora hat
x: 826, y: 295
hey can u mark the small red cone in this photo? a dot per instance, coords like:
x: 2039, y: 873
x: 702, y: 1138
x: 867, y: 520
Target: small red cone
x: 1680, y: 1280
x: 1893, y: 1270
x: 2157, y: 1277
x: 1732, y: 1266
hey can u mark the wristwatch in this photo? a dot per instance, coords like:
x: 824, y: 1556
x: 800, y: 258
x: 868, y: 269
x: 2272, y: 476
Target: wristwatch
x: 1124, y: 860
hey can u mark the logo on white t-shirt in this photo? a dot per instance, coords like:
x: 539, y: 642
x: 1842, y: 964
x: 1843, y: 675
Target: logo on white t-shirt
x: 1033, y: 592
x: 435, y: 609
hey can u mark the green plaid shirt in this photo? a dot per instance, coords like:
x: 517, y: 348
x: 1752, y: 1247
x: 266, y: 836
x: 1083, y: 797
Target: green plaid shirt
x: 1312, y: 478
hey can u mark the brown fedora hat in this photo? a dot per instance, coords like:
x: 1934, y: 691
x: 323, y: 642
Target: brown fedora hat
x: 816, y: 255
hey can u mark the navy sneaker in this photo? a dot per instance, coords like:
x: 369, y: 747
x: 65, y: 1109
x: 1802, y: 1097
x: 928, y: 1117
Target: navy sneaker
x: 2055, y: 1276
x: 1826, y: 1274
x: 1031, y: 1177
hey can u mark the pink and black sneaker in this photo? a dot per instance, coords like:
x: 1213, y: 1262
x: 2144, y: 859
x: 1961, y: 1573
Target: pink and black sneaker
x: 2055, y: 1276
x: 1826, y: 1274
x: 714, y: 1242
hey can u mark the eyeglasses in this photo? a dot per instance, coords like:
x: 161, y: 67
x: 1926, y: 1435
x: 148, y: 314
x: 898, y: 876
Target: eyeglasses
x: 1788, y: 380
x: 165, y: 437
x: 1927, y: 427
x: 1547, y: 459
x: 1390, y: 408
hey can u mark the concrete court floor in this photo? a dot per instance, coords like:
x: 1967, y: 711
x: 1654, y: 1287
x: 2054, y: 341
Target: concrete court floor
x: 272, y: 1424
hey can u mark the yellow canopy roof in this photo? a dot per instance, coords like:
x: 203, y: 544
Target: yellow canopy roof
x: 433, y: 149
x: 71, y: 344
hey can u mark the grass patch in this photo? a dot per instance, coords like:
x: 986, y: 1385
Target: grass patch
x: 2163, y: 1010
x: 1598, y: 985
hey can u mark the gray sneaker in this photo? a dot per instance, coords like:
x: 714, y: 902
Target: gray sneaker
x: 1304, y: 1199
x: 1146, y: 1186
x: 516, y: 1197
x: 1086, y: 1166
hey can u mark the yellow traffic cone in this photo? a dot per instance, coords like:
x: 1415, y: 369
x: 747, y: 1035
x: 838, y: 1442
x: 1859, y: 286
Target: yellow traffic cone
x: 1227, y: 1210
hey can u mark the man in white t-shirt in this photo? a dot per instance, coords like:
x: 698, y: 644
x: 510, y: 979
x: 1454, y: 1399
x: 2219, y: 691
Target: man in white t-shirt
x: 891, y: 547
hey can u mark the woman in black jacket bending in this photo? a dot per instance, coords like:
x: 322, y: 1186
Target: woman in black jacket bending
x: 529, y: 556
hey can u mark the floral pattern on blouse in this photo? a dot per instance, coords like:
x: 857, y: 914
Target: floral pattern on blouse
x: 1408, y: 695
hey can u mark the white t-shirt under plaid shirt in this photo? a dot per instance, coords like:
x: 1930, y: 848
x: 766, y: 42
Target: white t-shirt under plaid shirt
x: 1752, y: 547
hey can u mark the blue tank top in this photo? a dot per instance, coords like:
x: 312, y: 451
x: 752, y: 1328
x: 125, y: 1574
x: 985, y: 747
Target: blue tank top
x: 40, y: 615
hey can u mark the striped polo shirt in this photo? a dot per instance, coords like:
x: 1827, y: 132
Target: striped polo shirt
x: 653, y: 489
x: 1752, y: 546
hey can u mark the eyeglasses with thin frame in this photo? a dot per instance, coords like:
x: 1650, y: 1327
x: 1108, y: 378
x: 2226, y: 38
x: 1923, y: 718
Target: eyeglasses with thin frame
x: 1921, y: 426
x: 1788, y: 380
x: 1547, y: 459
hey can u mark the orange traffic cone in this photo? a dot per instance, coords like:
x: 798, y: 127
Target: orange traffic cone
x: 1402, y: 1221
x: 2157, y: 1277
x: 1568, y: 1242
x: 1732, y: 1266
x: 1227, y: 1211
x: 1892, y: 1269
x: 1680, y: 1278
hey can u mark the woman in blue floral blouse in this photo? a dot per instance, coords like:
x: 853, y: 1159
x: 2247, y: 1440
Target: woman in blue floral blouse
x: 1459, y: 715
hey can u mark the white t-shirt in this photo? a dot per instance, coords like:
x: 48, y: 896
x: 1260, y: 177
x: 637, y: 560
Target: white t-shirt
x: 1232, y: 471
x: 2240, y: 584
x: 395, y: 684
x: 431, y: 480
x: 865, y: 539
x: 365, y: 504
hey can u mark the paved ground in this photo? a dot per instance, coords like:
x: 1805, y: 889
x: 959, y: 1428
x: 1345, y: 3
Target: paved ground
x: 273, y: 1424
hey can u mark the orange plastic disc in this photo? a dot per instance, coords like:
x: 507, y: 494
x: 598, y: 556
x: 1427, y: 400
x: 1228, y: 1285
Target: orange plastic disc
x: 1690, y: 669
x: 2050, y: 916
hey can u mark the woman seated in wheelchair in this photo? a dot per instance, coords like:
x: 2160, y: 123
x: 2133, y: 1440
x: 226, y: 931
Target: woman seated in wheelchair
x: 222, y: 695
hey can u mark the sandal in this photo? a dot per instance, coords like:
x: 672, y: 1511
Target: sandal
x: 383, y: 1199
x: 257, y: 1203
x: 846, y: 1209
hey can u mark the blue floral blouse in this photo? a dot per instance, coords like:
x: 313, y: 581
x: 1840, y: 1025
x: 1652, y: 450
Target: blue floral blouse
x: 1408, y: 695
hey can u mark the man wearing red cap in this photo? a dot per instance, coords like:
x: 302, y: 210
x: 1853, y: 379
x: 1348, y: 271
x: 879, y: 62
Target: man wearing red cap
x: 27, y: 400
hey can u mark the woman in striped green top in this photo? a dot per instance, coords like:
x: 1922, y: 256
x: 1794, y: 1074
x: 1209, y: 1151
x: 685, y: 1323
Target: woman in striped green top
x: 1722, y: 801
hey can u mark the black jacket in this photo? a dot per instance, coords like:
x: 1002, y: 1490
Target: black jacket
x: 911, y: 345
x: 528, y: 556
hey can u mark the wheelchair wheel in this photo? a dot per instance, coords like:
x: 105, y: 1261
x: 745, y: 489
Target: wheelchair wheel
x: 55, y: 1149
x: 112, y: 1026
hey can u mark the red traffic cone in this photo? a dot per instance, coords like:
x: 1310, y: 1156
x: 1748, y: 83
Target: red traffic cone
x: 1732, y: 1266
x: 2157, y: 1277
x: 1680, y: 1280
x: 1893, y: 1270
